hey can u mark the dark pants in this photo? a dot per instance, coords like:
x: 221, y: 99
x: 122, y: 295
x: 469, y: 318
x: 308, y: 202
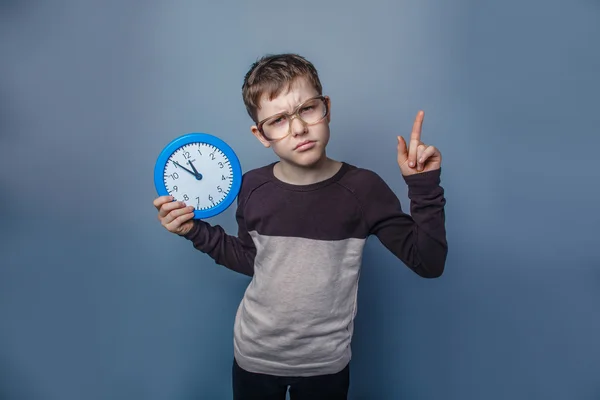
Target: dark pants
x: 251, y: 386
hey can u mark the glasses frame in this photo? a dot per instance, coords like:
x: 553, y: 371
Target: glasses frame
x: 292, y: 115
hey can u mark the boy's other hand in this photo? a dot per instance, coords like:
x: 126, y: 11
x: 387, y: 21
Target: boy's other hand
x: 418, y: 157
x: 175, y: 216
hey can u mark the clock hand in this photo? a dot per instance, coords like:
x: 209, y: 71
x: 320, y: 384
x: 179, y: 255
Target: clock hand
x: 196, y: 173
x: 181, y: 166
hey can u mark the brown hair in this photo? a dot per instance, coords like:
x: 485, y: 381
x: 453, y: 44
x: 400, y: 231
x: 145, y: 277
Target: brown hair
x: 272, y: 74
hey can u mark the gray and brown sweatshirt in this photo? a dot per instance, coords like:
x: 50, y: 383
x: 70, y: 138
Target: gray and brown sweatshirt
x: 303, y: 247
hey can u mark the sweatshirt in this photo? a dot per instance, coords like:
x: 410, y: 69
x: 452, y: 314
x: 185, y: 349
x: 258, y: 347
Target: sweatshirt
x: 303, y: 246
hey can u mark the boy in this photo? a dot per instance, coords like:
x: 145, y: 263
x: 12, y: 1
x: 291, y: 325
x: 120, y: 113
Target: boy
x: 303, y: 222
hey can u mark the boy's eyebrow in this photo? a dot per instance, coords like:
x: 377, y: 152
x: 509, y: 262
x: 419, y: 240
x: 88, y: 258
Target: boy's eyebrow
x: 293, y: 108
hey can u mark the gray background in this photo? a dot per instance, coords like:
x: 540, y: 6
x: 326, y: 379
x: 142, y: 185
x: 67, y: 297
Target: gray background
x: 98, y: 301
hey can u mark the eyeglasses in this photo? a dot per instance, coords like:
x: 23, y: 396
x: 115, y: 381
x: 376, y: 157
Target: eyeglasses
x: 278, y: 126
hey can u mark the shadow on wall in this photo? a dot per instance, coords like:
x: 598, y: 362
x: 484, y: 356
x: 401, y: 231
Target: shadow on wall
x: 15, y: 6
x: 8, y: 148
x: 13, y: 385
x: 7, y: 119
x: 12, y: 12
x: 7, y: 115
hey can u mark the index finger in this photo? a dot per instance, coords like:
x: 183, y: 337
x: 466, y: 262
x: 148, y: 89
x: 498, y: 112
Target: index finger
x: 415, y: 139
x: 159, y: 201
x: 417, y: 126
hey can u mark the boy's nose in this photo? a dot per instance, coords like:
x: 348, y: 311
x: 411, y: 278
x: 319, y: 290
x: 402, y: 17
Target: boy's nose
x: 297, y: 127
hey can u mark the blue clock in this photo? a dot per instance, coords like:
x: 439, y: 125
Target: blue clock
x: 201, y: 170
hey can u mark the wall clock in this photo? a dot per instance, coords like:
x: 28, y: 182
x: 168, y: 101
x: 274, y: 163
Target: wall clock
x: 201, y: 170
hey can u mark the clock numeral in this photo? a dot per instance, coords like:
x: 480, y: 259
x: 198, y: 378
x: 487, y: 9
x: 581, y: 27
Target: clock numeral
x: 198, y: 202
x: 199, y: 152
x: 186, y: 154
x: 220, y: 165
x: 174, y: 175
x: 185, y: 197
x: 219, y: 189
x: 210, y: 198
x: 212, y: 156
x: 175, y: 188
x: 223, y: 177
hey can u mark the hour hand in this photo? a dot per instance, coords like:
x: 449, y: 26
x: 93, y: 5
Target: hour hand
x: 181, y: 166
x: 196, y: 173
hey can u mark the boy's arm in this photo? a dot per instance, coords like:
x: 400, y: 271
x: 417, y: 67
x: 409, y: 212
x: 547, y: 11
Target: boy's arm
x: 235, y: 253
x: 418, y: 240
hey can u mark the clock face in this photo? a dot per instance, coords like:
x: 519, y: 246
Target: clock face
x: 199, y: 174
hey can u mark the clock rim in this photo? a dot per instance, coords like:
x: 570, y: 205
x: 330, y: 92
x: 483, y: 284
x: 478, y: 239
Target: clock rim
x: 207, y: 138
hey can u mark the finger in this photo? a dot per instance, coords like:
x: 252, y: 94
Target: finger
x: 415, y: 139
x: 429, y: 152
x: 173, y: 215
x: 159, y: 201
x: 417, y: 126
x: 420, y: 149
x: 174, y: 225
x: 167, y: 208
x: 402, y: 151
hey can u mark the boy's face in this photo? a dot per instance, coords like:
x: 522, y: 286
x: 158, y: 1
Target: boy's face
x: 305, y: 144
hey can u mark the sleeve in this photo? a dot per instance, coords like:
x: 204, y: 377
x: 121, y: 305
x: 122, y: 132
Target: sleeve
x: 235, y: 253
x: 419, y: 239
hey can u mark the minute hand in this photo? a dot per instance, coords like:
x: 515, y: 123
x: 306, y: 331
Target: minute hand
x: 181, y: 166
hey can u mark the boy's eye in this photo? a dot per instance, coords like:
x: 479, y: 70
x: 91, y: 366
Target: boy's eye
x: 275, y: 121
x: 306, y: 109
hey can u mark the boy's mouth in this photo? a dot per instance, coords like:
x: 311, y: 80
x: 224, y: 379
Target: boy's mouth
x: 304, y: 145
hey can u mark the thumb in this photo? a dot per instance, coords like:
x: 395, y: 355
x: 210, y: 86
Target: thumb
x: 402, y: 151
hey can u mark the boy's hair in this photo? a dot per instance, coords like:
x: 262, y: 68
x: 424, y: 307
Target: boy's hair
x: 271, y: 74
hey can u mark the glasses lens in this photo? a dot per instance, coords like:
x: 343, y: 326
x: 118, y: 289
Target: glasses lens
x: 310, y: 112
x: 276, y: 127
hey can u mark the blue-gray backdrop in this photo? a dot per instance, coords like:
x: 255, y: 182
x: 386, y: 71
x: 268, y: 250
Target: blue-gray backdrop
x: 98, y: 301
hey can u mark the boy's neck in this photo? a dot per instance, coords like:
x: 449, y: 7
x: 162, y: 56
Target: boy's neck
x: 297, y: 175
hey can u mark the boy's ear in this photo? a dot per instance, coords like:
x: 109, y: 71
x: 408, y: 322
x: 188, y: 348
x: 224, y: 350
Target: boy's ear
x: 259, y: 136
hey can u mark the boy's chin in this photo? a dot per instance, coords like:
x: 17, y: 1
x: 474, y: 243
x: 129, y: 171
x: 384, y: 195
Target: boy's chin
x: 304, y: 160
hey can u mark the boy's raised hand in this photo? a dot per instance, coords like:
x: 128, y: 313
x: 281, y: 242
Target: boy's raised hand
x: 175, y: 216
x: 419, y: 157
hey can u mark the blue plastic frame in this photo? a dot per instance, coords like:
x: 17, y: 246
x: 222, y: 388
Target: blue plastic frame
x: 200, y: 137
